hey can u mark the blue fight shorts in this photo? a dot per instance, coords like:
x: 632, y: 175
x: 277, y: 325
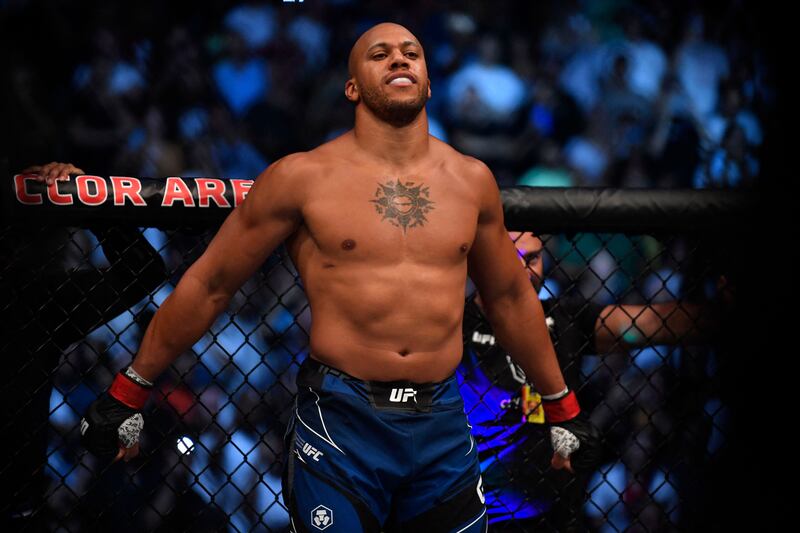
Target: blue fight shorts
x: 371, y: 456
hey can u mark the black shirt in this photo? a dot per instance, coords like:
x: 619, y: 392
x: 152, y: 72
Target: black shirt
x: 571, y: 321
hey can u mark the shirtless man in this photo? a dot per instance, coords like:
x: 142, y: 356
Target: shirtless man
x: 383, y: 224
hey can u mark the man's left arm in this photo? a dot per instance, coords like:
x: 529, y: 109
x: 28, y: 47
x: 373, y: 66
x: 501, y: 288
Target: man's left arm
x: 517, y: 318
x: 509, y: 299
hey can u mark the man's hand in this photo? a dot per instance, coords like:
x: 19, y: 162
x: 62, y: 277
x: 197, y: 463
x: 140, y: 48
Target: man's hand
x: 114, y: 421
x: 576, y: 445
x: 576, y: 442
x: 52, y: 172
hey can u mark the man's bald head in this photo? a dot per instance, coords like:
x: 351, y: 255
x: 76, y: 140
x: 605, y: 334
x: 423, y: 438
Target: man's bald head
x: 373, y: 36
x: 385, y: 51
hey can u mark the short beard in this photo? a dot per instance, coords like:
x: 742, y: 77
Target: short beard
x: 393, y: 112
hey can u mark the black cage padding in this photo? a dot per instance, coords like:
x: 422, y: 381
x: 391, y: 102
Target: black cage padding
x: 200, y: 202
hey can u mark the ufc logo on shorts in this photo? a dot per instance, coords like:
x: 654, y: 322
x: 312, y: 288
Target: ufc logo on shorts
x: 402, y: 395
x: 312, y: 452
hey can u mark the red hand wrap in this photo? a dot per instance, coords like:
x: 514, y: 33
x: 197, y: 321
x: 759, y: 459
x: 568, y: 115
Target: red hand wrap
x: 562, y: 409
x: 129, y: 392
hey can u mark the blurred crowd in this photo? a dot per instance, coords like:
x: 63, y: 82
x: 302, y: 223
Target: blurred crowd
x: 575, y: 93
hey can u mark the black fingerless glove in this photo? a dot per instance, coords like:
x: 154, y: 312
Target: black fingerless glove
x: 590, y: 449
x: 572, y: 434
x: 115, y: 418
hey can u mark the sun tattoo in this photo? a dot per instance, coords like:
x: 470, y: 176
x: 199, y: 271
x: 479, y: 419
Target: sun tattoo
x: 403, y: 204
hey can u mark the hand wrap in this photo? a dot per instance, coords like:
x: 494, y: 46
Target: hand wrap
x: 115, y: 418
x: 572, y: 434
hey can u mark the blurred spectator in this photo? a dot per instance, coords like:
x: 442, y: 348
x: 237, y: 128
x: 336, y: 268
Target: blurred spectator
x: 253, y: 21
x: 148, y: 151
x: 523, y: 58
x: 647, y: 61
x: 485, y: 92
x: 273, y: 125
x: 182, y: 78
x: 37, y: 132
x: 579, y: 77
x: 568, y: 30
x: 106, y: 92
x: 732, y: 109
x: 551, y: 171
x: 240, y: 77
x: 700, y: 65
x: 730, y: 165
x: 674, y: 140
x: 635, y: 171
x: 553, y: 113
x: 117, y: 76
x: 588, y: 153
x: 233, y: 154
x: 628, y: 114
x: 313, y: 38
x: 193, y: 126
x: 486, y: 108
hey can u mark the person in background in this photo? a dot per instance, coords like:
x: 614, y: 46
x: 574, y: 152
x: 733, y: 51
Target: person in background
x: 504, y: 408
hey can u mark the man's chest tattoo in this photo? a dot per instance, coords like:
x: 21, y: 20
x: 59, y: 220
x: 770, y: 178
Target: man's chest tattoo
x: 403, y: 204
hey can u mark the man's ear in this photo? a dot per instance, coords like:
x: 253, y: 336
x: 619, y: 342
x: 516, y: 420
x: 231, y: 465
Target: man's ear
x: 429, y: 89
x: 351, y: 90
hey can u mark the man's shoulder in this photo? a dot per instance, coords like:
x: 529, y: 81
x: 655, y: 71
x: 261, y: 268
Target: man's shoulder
x: 480, y: 179
x: 291, y: 163
x: 475, y: 167
x: 476, y: 174
x: 479, y: 176
x: 286, y: 180
x: 293, y: 169
x: 316, y: 160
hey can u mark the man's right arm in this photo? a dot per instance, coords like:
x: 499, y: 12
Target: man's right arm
x: 270, y: 213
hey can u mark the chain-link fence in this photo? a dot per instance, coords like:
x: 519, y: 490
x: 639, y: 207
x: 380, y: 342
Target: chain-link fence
x: 641, y: 326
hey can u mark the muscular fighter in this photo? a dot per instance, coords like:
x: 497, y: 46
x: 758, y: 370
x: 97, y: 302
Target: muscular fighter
x: 383, y: 223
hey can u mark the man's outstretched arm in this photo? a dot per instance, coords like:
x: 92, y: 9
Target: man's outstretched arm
x: 270, y: 213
